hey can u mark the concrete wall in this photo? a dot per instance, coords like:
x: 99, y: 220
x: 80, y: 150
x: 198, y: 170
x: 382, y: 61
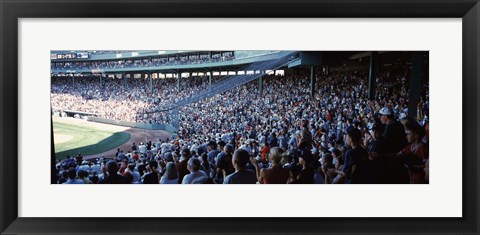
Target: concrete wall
x: 139, y: 125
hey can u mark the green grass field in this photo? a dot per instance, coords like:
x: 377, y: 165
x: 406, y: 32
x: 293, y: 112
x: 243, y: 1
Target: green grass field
x: 86, y: 140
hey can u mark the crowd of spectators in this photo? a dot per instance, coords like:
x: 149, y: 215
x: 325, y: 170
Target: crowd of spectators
x: 123, y: 99
x: 144, y: 62
x: 281, y: 135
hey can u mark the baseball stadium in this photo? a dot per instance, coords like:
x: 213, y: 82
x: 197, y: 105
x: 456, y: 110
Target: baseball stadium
x: 239, y: 117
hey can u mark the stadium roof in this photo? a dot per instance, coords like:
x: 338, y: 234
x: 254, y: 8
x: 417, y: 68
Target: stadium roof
x: 242, y: 59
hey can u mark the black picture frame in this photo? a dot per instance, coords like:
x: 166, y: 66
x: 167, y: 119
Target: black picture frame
x: 12, y: 10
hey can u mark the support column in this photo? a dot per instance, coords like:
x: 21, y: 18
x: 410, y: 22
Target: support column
x: 73, y: 81
x: 260, y: 83
x: 125, y: 82
x: 415, y: 83
x: 151, y: 81
x: 209, y: 79
x: 372, y: 75
x: 101, y: 75
x: 312, y: 81
x: 178, y: 80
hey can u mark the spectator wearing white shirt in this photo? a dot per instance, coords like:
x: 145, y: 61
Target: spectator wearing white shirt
x: 142, y: 148
x: 84, y: 167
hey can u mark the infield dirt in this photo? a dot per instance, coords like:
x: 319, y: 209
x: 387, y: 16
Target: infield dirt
x: 136, y: 135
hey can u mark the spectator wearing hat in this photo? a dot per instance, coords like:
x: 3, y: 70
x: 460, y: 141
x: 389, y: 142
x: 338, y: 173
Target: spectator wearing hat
x: 394, y: 133
x: 171, y: 175
x: 374, y: 139
x: 196, y: 176
x: 224, y: 163
x: 113, y: 177
x: 241, y: 174
x: 403, y: 119
x: 356, y: 159
x: 275, y: 174
x: 341, y: 101
x: 379, y: 169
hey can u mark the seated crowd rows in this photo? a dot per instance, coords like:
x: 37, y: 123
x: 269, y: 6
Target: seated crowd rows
x: 281, y: 135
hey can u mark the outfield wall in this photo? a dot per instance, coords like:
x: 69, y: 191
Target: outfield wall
x: 139, y: 125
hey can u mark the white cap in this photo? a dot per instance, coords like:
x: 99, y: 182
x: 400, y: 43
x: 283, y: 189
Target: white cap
x: 385, y: 111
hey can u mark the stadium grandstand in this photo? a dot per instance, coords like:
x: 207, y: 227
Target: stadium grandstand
x: 239, y: 117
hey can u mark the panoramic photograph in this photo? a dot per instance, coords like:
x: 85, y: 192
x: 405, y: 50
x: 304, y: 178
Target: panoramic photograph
x: 239, y: 117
